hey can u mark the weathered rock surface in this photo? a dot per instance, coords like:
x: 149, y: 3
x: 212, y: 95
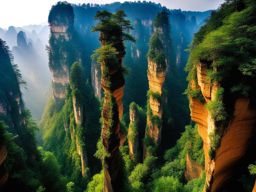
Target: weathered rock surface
x: 235, y: 141
x: 156, y: 78
x: 193, y: 169
x: 96, y: 77
x: 133, y: 134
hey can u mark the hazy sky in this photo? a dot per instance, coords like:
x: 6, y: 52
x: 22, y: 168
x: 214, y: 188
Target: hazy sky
x: 25, y: 12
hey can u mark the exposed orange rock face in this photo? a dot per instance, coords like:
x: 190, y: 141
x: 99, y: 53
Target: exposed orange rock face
x: 3, y: 173
x: 156, y: 78
x: 112, y: 138
x: 254, y: 188
x: 118, y: 94
x: 234, y: 142
x: 193, y: 169
x: 199, y: 114
x: 203, y: 81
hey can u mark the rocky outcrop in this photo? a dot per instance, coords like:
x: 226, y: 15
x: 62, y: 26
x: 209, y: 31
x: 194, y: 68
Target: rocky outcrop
x: 96, y: 77
x: 230, y: 155
x: 22, y: 40
x: 60, y: 80
x: 61, y: 55
x: 193, y: 169
x: 111, y: 137
x: 60, y: 31
x: 83, y: 156
x: 78, y: 111
x: 156, y: 78
x: 133, y: 133
x: 235, y: 145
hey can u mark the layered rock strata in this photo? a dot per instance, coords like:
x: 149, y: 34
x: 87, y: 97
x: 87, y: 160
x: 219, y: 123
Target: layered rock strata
x: 156, y: 78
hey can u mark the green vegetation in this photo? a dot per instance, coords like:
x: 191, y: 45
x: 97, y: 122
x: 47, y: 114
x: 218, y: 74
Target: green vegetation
x: 155, y: 96
x: 196, y: 94
x: 216, y: 107
x: 252, y: 169
x: 167, y: 184
x: 226, y: 46
x: 77, y: 82
x: 136, y: 131
x: 107, y: 56
x: 96, y: 185
x: 114, y: 30
x: 156, y: 52
x: 60, y: 130
x: 151, y: 175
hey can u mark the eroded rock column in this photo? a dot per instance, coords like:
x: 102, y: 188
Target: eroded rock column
x: 156, y: 78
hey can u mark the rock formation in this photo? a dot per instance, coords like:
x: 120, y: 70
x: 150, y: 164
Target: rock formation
x: 193, y: 169
x: 112, y: 111
x: 235, y: 139
x: 110, y: 56
x: 156, y: 78
x: 78, y: 91
x: 61, y: 56
x: 158, y: 60
x: 96, y: 77
x: 136, y: 133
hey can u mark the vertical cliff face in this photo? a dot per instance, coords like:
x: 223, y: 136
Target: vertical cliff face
x: 222, y: 167
x: 222, y: 95
x: 202, y: 116
x: 193, y: 169
x: 11, y: 106
x: 61, y: 21
x: 96, y: 77
x: 133, y: 139
x: 68, y: 76
x: 157, y: 65
x: 136, y: 133
x: 156, y: 78
x: 78, y: 91
x: 113, y: 84
x: 14, y: 120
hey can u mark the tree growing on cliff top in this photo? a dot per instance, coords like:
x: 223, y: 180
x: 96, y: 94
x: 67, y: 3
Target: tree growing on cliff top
x: 114, y: 29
